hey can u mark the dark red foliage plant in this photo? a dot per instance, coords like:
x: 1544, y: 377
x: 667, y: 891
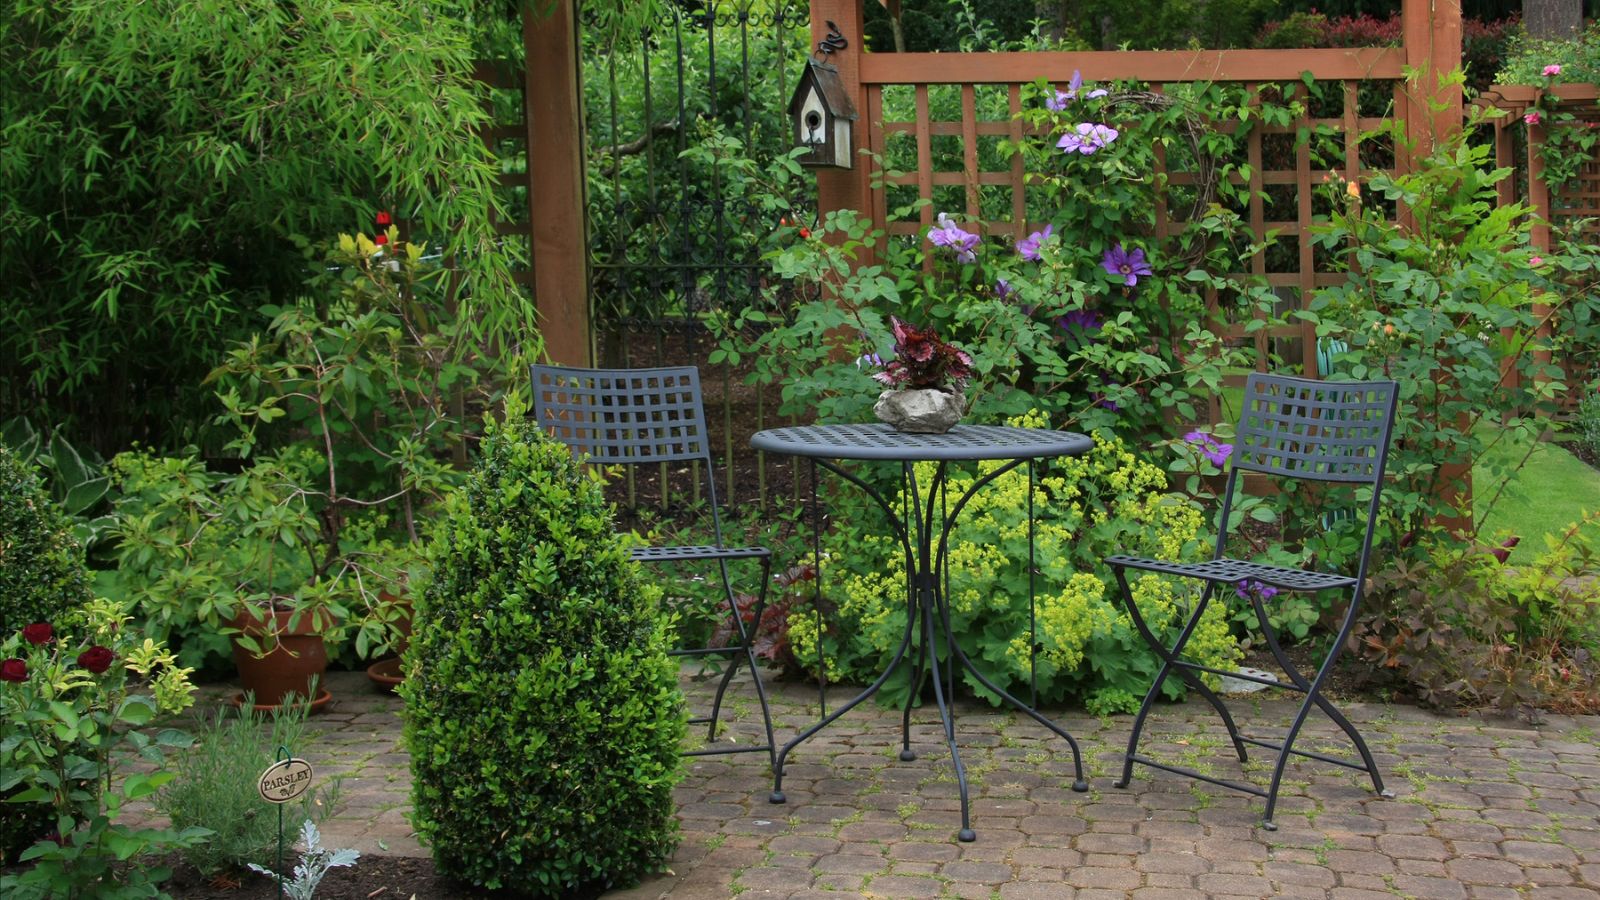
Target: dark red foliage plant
x: 922, y: 360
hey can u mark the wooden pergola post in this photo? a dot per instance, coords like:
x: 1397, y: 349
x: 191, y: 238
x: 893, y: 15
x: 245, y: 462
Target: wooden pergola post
x: 1431, y: 35
x: 846, y: 188
x: 556, y: 209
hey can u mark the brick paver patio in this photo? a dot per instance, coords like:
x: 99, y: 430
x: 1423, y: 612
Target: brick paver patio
x: 1486, y: 808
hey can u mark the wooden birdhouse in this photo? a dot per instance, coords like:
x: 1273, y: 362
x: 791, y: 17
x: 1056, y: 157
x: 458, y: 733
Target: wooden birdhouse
x: 823, y: 117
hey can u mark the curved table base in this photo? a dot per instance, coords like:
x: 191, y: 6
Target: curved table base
x: 926, y: 546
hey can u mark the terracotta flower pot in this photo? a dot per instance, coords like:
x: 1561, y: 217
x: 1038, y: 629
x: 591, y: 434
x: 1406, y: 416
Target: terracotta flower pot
x: 298, y: 656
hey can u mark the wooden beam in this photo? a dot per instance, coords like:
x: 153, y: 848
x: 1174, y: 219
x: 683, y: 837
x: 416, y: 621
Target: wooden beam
x: 556, y: 197
x: 1154, y: 66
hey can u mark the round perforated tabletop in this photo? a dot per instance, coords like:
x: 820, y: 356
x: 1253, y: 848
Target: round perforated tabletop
x: 879, y: 441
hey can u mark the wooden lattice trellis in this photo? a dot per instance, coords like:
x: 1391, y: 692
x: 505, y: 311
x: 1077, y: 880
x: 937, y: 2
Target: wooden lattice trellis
x: 1281, y: 182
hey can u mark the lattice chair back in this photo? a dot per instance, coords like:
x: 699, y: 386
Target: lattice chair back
x: 1336, y: 431
x: 628, y: 417
x: 1320, y: 430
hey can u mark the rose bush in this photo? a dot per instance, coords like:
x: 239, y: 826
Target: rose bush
x: 73, y: 711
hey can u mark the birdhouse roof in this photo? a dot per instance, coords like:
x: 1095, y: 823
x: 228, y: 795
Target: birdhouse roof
x: 829, y: 85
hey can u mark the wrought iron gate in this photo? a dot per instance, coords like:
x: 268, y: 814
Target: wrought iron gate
x: 681, y: 124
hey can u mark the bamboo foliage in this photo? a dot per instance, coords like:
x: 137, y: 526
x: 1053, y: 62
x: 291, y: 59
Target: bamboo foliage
x: 165, y: 162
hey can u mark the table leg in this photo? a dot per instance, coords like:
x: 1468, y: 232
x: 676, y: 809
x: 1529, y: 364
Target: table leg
x: 1079, y: 784
x: 928, y: 609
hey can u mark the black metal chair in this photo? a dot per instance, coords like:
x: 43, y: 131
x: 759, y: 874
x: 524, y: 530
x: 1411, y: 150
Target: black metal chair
x: 1292, y: 428
x: 652, y: 416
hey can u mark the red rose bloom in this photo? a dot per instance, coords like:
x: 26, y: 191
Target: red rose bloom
x: 383, y: 219
x: 13, y: 670
x: 381, y: 239
x: 96, y: 659
x: 38, y: 633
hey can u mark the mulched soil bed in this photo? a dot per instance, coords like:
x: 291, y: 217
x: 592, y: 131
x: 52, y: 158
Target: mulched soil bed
x: 372, y: 878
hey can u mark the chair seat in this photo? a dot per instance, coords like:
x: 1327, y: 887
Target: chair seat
x: 676, y: 554
x: 1232, y: 571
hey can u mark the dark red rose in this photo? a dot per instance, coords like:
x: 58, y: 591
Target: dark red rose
x: 383, y: 219
x: 13, y: 670
x: 381, y: 239
x: 38, y: 633
x: 96, y: 659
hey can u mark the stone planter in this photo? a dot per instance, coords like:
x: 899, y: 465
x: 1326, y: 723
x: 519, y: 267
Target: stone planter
x: 921, y: 410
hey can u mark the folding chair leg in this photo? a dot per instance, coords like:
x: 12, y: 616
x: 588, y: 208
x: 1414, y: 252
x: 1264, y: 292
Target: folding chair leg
x: 1314, y: 698
x: 746, y: 637
x: 1169, y: 660
x: 722, y: 688
x: 1322, y: 702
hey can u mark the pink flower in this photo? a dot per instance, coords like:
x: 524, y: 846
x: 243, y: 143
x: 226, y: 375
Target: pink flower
x: 1552, y: 69
x: 1535, y: 260
x: 1532, y: 118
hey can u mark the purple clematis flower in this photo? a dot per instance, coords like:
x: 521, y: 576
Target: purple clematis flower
x: 872, y: 360
x: 948, y: 234
x: 1097, y: 93
x: 1002, y: 289
x: 1085, y: 320
x: 1029, y: 246
x: 1059, y: 102
x: 1087, y: 138
x: 1126, y: 264
x: 1250, y: 587
x: 1209, y: 448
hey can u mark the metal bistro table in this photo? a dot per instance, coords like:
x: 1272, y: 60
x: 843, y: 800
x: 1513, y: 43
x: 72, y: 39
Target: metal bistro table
x: 926, y: 549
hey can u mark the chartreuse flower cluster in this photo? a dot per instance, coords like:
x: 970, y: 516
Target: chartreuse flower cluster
x: 1083, y: 644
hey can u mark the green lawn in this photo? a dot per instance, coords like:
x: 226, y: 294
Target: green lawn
x: 1553, y: 490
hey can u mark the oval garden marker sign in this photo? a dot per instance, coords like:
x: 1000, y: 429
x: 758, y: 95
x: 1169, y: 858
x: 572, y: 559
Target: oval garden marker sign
x: 284, y: 780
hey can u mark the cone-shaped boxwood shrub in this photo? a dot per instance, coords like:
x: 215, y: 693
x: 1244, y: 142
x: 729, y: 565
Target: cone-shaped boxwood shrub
x: 42, y: 579
x: 543, y: 716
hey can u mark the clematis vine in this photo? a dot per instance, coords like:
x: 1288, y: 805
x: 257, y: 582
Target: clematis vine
x: 1087, y: 138
x: 948, y: 234
x: 1029, y: 246
x: 1126, y: 264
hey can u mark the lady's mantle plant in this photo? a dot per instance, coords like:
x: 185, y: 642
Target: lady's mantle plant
x: 1087, y: 650
x: 543, y: 716
x: 72, y: 709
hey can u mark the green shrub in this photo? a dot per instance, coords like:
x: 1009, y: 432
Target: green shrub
x: 42, y: 574
x: 1586, y: 421
x: 42, y: 579
x: 543, y: 717
x: 1461, y: 629
x: 215, y: 788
